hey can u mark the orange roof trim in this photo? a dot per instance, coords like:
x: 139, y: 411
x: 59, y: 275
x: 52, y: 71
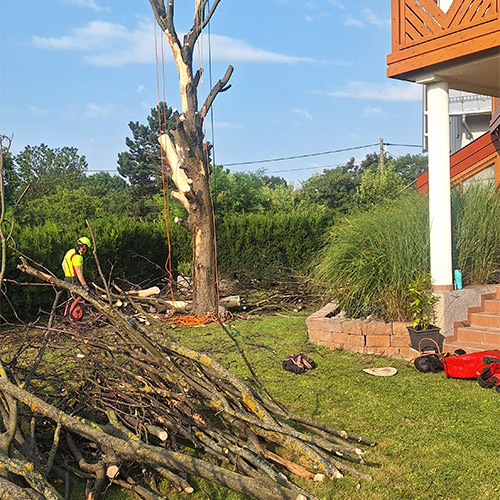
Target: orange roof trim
x: 470, y: 160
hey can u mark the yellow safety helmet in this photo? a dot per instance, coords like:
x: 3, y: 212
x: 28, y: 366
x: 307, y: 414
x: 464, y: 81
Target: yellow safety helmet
x: 84, y: 241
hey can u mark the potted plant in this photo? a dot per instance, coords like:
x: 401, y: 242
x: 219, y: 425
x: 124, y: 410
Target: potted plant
x: 424, y: 336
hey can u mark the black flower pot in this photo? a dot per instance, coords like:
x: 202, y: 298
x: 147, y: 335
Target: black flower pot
x: 429, y: 340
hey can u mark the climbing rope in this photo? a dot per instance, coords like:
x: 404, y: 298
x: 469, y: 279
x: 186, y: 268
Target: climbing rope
x: 191, y: 320
x: 163, y: 161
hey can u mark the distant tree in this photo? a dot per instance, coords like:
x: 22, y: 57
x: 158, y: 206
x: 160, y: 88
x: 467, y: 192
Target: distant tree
x: 103, y: 183
x: 273, y: 181
x: 141, y: 164
x: 68, y: 207
x: 377, y: 186
x: 409, y: 167
x: 10, y: 178
x: 46, y: 169
x: 338, y: 189
x: 335, y: 189
x: 370, y: 162
x: 242, y: 192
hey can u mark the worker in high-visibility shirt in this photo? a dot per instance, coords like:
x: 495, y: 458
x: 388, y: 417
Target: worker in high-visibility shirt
x: 72, y: 263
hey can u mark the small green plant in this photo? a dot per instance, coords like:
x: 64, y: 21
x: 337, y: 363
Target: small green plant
x: 422, y: 302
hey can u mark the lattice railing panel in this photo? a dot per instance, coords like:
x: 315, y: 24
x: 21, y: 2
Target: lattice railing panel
x: 423, y: 19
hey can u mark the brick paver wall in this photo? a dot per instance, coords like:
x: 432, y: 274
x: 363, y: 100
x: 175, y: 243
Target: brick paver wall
x: 359, y: 335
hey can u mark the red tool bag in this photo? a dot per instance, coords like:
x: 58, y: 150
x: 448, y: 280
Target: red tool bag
x: 469, y: 365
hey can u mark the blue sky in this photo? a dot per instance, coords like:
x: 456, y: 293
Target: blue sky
x: 310, y: 77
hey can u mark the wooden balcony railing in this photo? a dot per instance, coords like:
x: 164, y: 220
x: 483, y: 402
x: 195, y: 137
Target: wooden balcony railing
x: 424, y: 35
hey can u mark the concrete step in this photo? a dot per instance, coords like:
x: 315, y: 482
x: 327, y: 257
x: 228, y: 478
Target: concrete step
x: 478, y: 335
x: 485, y: 320
x: 468, y: 347
x: 492, y: 306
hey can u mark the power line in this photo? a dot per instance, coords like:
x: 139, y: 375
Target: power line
x: 306, y: 168
x: 299, y: 156
x: 309, y: 155
x: 403, y: 145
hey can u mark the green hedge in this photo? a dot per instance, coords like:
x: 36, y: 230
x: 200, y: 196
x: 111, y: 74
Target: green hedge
x: 128, y: 248
x: 248, y: 246
x: 260, y: 246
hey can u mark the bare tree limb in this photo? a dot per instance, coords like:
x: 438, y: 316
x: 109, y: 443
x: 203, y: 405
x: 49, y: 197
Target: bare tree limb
x: 220, y: 86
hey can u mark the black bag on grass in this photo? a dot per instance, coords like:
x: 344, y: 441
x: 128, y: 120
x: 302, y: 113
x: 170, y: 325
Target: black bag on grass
x: 298, y: 363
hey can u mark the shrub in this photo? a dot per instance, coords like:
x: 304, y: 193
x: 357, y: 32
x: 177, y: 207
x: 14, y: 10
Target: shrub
x: 375, y: 187
x: 422, y: 302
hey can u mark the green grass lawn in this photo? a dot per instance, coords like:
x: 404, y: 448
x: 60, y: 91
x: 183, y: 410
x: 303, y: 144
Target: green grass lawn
x: 437, y: 438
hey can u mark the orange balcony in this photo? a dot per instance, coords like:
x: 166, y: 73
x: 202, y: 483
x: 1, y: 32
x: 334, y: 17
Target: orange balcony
x: 460, y: 46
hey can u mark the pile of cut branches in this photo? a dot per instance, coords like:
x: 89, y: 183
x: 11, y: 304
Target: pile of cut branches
x: 133, y: 399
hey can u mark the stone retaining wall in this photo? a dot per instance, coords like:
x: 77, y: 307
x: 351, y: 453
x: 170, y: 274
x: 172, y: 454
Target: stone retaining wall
x: 359, y: 335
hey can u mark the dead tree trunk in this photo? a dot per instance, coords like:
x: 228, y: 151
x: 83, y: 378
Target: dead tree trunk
x: 188, y: 154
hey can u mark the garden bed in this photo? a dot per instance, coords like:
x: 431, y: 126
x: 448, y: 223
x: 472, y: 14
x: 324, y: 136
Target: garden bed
x: 329, y: 327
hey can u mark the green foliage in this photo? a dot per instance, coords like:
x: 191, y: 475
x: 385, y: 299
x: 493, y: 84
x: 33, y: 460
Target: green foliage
x: 247, y: 192
x: 335, y: 189
x: 10, y: 178
x: 102, y: 184
x: 409, y: 167
x: 376, y: 187
x: 371, y: 258
x: 422, y: 301
x: 185, y: 268
x: 477, y: 233
x: 262, y: 246
x: 141, y: 164
x: 48, y: 169
x: 70, y: 207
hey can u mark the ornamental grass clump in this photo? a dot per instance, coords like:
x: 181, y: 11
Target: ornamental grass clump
x: 477, y: 233
x: 371, y: 258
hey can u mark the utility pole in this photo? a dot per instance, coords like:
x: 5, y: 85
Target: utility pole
x: 381, y: 161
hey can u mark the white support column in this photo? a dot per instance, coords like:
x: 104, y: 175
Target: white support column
x: 439, y: 185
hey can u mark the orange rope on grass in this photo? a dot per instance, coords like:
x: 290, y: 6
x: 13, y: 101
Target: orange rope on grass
x: 191, y: 320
